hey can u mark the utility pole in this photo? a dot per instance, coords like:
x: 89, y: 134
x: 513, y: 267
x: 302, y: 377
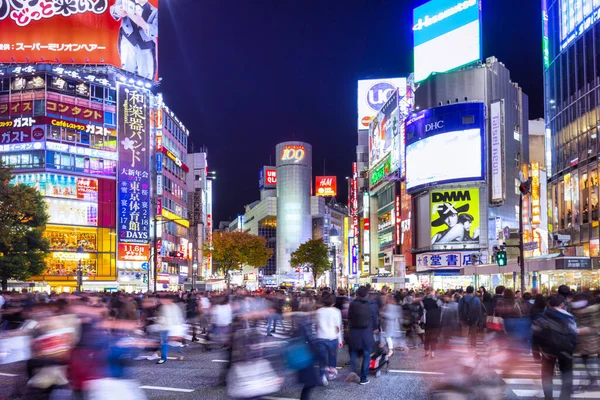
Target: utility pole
x: 521, y: 251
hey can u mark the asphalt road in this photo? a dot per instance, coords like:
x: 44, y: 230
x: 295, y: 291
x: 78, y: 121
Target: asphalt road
x: 410, y: 376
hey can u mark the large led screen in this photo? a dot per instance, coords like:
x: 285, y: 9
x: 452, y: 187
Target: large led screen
x: 447, y: 35
x: 123, y: 33
x: 445, y: 144
x: 575, y: 17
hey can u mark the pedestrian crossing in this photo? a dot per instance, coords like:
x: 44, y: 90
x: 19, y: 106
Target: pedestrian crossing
x: 283, y: 329
x: 523, y: 378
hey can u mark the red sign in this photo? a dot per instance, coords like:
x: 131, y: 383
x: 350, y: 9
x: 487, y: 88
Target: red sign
x: 87, y: 188
x: 159, y: 145
x: 326, y: 186
x: 405, y: 225
x: 38, y: 133
x: 159, y: 205
x: 81, y: 32
x: 270, y: 176
x: 134, y: 252
x: 74, y: 111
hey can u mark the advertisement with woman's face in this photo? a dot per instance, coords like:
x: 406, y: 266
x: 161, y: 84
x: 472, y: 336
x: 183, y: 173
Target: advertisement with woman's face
x: 454, y: 216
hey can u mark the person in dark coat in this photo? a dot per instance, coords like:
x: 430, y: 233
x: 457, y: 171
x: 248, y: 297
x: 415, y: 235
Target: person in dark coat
x: 557, y: 335
x: 433, y: 318
x: 537, y: 311
x: 361, y: 321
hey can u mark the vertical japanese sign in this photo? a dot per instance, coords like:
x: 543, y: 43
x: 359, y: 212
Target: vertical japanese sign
x: 134, y: 165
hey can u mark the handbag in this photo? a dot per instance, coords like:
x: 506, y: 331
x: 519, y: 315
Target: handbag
x: 494, y: 323
x: 252, y: 379
x: 298, y: 355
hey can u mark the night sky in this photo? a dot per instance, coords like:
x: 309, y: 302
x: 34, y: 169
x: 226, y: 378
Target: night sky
x: 244, y: 75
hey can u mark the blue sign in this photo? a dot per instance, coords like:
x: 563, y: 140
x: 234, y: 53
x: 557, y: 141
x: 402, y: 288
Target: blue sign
x: 159, y: 162
x: 531, y: 246
x: 446, y: 36
x: 145, y: 266
x: 445, y: 144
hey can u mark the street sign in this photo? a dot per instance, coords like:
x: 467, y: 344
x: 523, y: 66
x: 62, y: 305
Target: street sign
x: 506, y: 232
x: 530, y: 246
x: 145, y: 266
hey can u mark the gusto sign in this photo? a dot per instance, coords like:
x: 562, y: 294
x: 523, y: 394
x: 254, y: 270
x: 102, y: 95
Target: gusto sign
x: 293, y: 153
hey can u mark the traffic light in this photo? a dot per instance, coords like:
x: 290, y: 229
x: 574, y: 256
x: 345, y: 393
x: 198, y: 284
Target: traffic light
x: 501, y: 258
x: 145, y: 278
x: 525, y: 187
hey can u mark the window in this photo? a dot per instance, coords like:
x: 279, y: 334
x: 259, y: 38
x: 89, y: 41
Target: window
x: 109, y: 118
x: 39, y: 107
x: 112, y: 96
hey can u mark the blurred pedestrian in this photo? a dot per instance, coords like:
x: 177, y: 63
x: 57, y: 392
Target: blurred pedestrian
x: 471, y: 316
x: 330, y: 335
x: 556, y: 332
x: 587, y: 317
x: 362, y: 323
x: 433, y: 318
x: 170, y: 317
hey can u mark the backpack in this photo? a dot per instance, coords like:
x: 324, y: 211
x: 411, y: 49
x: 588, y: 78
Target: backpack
x: 468, y: 312
x: 553, y: 336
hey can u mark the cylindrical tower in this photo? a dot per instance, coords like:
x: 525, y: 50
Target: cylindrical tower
x: 294, y: 177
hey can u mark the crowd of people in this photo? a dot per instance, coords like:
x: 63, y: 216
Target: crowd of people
x: 78, y: 341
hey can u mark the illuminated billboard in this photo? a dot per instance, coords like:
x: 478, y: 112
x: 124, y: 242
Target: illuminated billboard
x: 57, y: 185
x: 372, y: 95
x: 447, y: 35
x: 134, y: 165
x: 445, y: 144
x: 454, y: 216
x: 384, y: 132
x: 326, y: 186
x: 267, y: 178
x: 123, y: 33
x: 575, y: 17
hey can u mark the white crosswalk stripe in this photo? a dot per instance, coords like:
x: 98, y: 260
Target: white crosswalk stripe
x: 280, y: 332
x: 524, y: 379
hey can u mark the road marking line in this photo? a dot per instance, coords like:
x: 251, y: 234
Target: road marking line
x: 555, y: 393
x: 220, y: 361
x: 167, y: 389
x: 415, y: 372
x: 277, y: 398
x: 9, y: 375
x: 538, y: 382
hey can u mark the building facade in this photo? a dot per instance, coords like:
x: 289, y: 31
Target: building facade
x: 294, y: 182
x: 174, y: 250
x: 473, y: 123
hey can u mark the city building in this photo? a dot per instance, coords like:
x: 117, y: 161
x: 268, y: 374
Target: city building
x: 90, y: 135
x: 174, y: 250
x: 199, y: 184
x: 294, y: 183
x: 571, y: 50
x: 375, y: 187
x: 473, y: 123
x: 59, y: 133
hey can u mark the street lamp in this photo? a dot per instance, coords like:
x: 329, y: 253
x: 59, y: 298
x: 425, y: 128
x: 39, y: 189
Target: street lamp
x: 333, y: 237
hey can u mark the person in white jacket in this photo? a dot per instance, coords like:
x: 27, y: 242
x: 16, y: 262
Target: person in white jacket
x: 330, y: 335
x: 170, y: 319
